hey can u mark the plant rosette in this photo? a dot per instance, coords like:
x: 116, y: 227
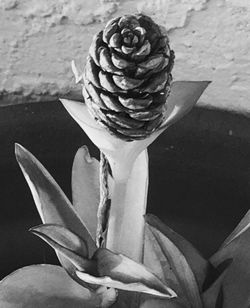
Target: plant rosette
x: 172, y: 273
x: 97, y: 277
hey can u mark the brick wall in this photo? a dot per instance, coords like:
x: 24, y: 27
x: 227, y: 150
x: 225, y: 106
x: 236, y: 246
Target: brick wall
x: 38, y: 39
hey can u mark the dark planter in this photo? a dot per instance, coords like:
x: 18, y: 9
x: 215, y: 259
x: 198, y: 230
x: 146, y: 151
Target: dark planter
x: 199, y: 175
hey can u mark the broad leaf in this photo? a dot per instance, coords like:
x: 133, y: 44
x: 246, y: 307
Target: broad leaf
x: 105, y: 268
x: 67, y: 243
x: 52, y: 204
x: 236, y: 282
x: 156, y: 261
x: 197, y: 262
x: 213, y: 297
x: 181, y: 268
x: 85, y: 188
x: 63, y: 237
x: 44, y: 286
x: 215, y: 273
x: 183, y: 96
x: 118, y: 271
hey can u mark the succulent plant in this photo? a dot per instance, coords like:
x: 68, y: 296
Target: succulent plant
x: 127, y: 76
x: 140, y: 262
x: 169, y: 261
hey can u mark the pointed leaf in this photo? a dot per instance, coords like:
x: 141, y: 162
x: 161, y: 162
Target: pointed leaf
x: 80, y: 114
x: 197, y: 262
x: 43, y: 286
x: 220, y: 299
x: 118, y: 271
x: 128, y: 286
x: 181, y: 268
x: 215, y: 273
x: 156, y: 261
x: 183, y: 96
x: 52, y: 205
x: 70, y: 245
x: 236, y: 282
x: 241, y: 228
x: 85, y: 188
x: 213, y: 297
x: 63, y: 237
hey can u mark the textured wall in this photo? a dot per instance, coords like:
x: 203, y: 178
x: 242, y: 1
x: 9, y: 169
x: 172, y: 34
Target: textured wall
x: 38, y: 39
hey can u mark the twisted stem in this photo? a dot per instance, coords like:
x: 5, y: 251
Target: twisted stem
x: 104, y: 204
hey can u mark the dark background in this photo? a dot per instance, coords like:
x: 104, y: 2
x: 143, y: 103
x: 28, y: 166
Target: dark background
x: 199, y: 175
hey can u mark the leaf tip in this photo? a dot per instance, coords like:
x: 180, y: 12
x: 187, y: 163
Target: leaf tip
x: 20, y: 152
x: 205, y: 83
x: 84, y: 152
x: 37, y: 230
x: 18, y: 148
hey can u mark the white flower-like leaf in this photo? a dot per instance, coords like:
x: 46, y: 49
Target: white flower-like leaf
x: 122, y: 154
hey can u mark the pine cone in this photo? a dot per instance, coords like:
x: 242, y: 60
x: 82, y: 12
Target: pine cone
x: 127, y: 76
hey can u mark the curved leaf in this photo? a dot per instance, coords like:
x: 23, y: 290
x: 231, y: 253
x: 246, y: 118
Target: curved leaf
x: 181, y: 268
x: 183, y: 96
x: 70, y: 245
x: 212, y: 297
x: 63, y: 237
x: 105, y: 268
x: 197, y: 262
x: 121, y: 154
x: 236, y: 282
x: 117, y: 284
x: 156, y: 261
x: 85, y: 188
x: 118, y: 271
x: 52, y: 204
x: 215, y: 273
x: 241, y: 228
x: 44, y: 286
x: 102, y: 138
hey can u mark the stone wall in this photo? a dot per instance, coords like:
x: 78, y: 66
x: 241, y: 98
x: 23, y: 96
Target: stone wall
x: 38, y: 39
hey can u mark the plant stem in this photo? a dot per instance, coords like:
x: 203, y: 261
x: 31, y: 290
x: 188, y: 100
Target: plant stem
x: 104, y: 204
x: 128, y: 206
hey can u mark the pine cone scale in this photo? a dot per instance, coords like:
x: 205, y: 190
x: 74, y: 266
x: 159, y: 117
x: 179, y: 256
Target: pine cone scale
x: 136, y: 103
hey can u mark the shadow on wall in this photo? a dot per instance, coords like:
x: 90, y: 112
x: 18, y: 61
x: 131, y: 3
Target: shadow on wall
x: 199, y: 175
